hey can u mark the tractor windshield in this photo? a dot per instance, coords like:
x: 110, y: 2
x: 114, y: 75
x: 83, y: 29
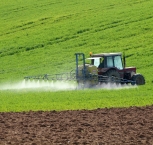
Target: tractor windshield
x: 118, y: 62
x: 115, y: 61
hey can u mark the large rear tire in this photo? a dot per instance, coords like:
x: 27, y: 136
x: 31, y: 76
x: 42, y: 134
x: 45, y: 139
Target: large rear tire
x: 113, y: 76
x: 139, y: 79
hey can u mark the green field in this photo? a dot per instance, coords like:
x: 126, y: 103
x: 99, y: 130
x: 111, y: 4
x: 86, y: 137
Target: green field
x: 39, y: 37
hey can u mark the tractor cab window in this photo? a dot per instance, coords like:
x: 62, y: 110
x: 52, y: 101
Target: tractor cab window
x: 101, y: 64
x: 93, y: 61
x: 118, y: 62
x: 98, y: 62
x: 109, y: 61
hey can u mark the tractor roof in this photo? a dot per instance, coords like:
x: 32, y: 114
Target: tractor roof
x: 106, y: 54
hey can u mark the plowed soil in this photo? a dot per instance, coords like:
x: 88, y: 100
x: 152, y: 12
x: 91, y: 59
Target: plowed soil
x: 132, y: 125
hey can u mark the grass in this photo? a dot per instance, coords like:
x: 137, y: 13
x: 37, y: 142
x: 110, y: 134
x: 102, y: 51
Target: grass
x: 38, y: 37
x: 74, y: 100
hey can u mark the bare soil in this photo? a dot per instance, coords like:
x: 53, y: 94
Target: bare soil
x: 132, y: 126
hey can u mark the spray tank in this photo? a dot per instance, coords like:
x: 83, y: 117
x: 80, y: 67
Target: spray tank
x: 86, y: 74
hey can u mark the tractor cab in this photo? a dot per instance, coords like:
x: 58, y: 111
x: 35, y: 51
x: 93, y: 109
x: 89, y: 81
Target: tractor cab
x: 107, y: 60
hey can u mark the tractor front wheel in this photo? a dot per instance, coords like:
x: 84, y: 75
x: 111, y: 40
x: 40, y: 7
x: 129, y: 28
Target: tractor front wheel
x: 139, y: 79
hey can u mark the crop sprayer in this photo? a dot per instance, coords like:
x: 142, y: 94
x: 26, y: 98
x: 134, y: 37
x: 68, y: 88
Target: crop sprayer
x: 97, y: 69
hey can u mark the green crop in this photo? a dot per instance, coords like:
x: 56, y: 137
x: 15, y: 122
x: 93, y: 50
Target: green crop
x: 74, y: 100
x: 39, y: 37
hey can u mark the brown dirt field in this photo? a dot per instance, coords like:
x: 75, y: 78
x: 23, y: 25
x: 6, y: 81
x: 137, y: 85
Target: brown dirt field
x: 132, y: 126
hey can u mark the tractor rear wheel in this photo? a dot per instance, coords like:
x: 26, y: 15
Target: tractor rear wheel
x: 139, y: 79
x: 113, y: 76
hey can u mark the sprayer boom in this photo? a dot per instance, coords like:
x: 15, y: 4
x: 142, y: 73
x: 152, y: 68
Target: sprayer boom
x: 56, y: 77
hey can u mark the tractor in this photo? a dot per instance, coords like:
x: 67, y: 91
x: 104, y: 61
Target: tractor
x: 97, y: 69
x: 106, y: 68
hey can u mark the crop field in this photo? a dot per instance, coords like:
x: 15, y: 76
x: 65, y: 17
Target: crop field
x: 73, y: 99
x: 41, y: 37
